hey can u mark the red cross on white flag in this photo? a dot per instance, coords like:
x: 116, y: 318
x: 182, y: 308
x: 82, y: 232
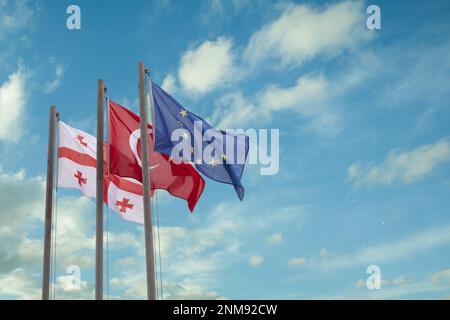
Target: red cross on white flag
x: 79, y: 176
x: 77, y: 140
x: 76, y: 176
x: 124, y: 205
x: 76, y: 162
x: 80, y: 138
x: 127, y: 197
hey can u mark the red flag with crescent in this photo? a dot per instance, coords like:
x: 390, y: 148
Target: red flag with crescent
x: 179, y: 179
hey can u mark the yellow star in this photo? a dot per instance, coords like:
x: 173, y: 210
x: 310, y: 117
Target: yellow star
x: 198, y: 161
x: 224, y: 157
x: 183, y: 113
x: 185, y: 135
x: 213, y: 163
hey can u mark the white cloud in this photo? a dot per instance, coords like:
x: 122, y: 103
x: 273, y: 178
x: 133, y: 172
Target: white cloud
x: 306, y: 90
x: 12, y: 105
x: 299, y: 33
x: 209, y: 246
x: 206, y: 67
x: 216, y: 7
x: 135, y: 285
x: 406, y: 167
x: 75, y: 225
x: 306, y: 99
x: 126, y: 262
x: 21, y: 213
x: 241, y: 4
x: 441, y: 278
x: 397, y: 281
x: 204, y: 250
x: 386, y: 253
x: 354, y: 171
x: 233, y: 110
x: 169, y: 84
x: 400, y: 280
x: 18, y: 251
x: 400, y: 287
x: 316, y: 100
x: 297, y: 262
x: 18, y: 284
x: 212, y: 243
x: 255, y: 261
x: 21, y: 231
x: 54, y: 84
x: 75, y: 242
x: 302, y: 32
x: 21, y: 234
x: 15, y: 15
x: 215, y: 12
x: 68, y: 283
x: 400, y: 292
x: 22, y: 196
x: 417, y: 78
x: 275, y: 238
x: 69, y: 288
x: 192, y: 291
x: 324, y: 252
x: 124, y: 239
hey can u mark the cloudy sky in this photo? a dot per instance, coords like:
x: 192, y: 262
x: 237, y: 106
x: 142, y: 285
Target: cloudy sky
x: 364, y: 145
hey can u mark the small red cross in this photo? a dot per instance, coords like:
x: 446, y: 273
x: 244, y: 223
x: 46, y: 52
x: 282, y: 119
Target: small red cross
x: 81, y: 138
x: 80, y: 178
x: 124, y: 205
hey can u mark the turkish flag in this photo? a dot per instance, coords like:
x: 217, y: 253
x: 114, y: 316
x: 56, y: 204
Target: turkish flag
x: 179, y: 179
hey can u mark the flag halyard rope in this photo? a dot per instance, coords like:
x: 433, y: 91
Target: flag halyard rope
x: 159, y: 248
x: 154, y: 241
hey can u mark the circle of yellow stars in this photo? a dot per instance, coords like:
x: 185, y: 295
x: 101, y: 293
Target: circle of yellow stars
x: 199, y: 161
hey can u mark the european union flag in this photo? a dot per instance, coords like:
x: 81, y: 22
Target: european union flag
x: 217, y: 154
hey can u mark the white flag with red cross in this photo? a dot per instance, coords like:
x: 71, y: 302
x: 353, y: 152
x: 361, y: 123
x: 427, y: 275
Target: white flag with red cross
x: 126, y: 198
x: 77, y: 160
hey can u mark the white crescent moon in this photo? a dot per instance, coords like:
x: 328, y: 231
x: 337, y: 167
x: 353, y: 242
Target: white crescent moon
x: 134, y: 138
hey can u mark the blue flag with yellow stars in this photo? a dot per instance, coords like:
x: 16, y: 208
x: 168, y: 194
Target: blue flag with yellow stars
x: 219, y: 155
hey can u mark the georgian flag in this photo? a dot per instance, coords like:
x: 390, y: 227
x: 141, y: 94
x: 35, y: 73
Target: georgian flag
x: 76, y: 160
x: 77, y: 170
x: 126, y: 198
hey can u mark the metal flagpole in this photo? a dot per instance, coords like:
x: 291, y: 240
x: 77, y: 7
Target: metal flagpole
x: 99, y: 195
x: 149, y: 255
x: 49, y: 205
x: 152, y: 115
x: 107, y: 207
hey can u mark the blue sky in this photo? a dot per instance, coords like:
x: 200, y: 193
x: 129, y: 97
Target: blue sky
x: 364, y: 145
